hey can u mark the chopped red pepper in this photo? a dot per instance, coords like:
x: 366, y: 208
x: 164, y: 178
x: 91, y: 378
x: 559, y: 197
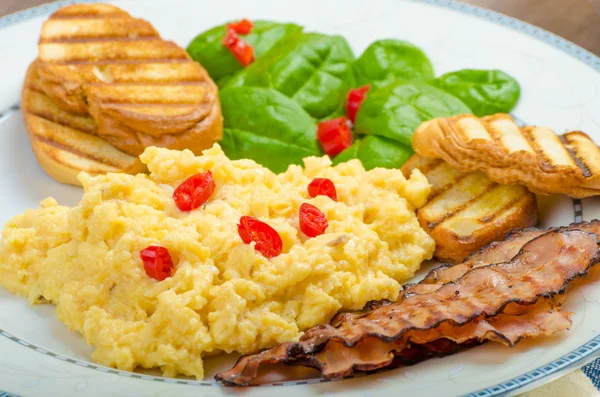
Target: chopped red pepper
x: 231, y: 37
x: 268, y: 242
x: 194, y: 191
x: 312, y: 221
x: 356, y: 97
x: 157, y: 262
x: 241, y: 50
x: 322, y: 187
x: 334, y: 135
x: 242, y: 27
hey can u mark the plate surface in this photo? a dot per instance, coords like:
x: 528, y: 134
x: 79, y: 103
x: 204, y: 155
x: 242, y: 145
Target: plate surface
x: 560, y: 88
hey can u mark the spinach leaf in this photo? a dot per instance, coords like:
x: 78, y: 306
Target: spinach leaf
x: 349, y: 153
x: 208, y: 50
x: 272, y: 153
x: 396, y: 110
x: 484, y: 91
x: 374, y: 151
x: 266, y: 126
x: 387, y: 60
x: 315, y: 70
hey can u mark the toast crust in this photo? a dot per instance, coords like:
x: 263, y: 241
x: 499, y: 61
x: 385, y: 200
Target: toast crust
x: 142, y: 90
x: 66, y: 143
x: 466, y: 211
x: 532, y: 156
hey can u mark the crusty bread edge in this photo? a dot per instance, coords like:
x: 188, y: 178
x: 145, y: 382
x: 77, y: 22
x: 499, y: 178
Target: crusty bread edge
x: 451, y: 248
x: 55, y: 169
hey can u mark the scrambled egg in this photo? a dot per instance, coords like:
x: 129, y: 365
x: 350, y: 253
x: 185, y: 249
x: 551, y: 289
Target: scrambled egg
x: 224, y: 296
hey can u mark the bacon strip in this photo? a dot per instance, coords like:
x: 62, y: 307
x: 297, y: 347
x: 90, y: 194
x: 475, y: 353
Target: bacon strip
x: 495, y: 252
x: 500, y: 251
x: 544, y: 267
x: 337, y: 360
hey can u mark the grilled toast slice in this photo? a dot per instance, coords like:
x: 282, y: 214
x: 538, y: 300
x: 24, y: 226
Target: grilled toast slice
x: 533, y: 156
x: 466, y: 211
x: 141, y: 90
x: 66, y: 143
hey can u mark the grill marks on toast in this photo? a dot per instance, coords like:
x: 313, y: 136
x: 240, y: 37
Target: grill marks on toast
x: 559, y: 152
x: 586, y: 156
x: 67, y: 139
x: 496, y: 203
x: 97, y: 29
x: 86, y: 34
x: 468, y: 208
x: 135, y: 72
x: 143, y: 94
x: 39, y: 105
x: 455, y: 197
x: 66, y: 53
x: 508, y: 134
x: 97, y: 59
x: 453, y: 192
x: 533, y: 156
x: 548, y: 147
x: 74, y: 142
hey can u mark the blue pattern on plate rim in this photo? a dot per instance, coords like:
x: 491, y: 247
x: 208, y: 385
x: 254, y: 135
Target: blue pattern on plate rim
x: 580, y: 355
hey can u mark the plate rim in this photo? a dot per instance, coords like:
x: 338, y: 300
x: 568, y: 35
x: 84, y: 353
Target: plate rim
x: 529, y: 380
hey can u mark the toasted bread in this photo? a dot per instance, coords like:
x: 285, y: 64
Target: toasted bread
x: 532, y: 156
x: 466, y: 211
x: 140, y: 89
x: 67, y: 143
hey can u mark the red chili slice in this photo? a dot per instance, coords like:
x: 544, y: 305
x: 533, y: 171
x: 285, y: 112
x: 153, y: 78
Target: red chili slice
x: 242, y: 27
x: 194, y: 191
x: 312, y: 221
x: 241, y: 50
x: 157, y: 262
x: 322, y: 187
x: 356, y: 97
x: 231, y: 37
x: 334, y: 135
x: 268, y: 242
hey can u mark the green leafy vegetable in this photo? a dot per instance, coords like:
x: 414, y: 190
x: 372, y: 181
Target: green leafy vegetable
x: 271, y: 107
x: 208, y: 50
x: 266, y: 126
x: 315, y: 70
x: 484, y: 91
x: 374, y: 151
x: 224, y: 80
x: 396, y: 110
x: 387, y: 60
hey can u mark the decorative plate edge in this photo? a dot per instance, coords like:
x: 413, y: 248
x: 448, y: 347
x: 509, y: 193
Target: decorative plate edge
x: 541, y: 34
x: 581, y: 54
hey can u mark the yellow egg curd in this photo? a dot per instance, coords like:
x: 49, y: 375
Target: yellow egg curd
x: 224, y: 296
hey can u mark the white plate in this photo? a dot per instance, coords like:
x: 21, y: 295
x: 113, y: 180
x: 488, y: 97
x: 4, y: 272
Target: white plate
x: 560, y: 88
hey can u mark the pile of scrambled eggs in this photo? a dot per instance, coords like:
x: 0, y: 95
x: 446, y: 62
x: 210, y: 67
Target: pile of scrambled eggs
x: 223, y: 296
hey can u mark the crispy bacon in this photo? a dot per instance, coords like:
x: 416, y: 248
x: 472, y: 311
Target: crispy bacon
x: 371, y: 353
x: 473, y: 308
x: 497, y: 252
x: 337, y: 360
